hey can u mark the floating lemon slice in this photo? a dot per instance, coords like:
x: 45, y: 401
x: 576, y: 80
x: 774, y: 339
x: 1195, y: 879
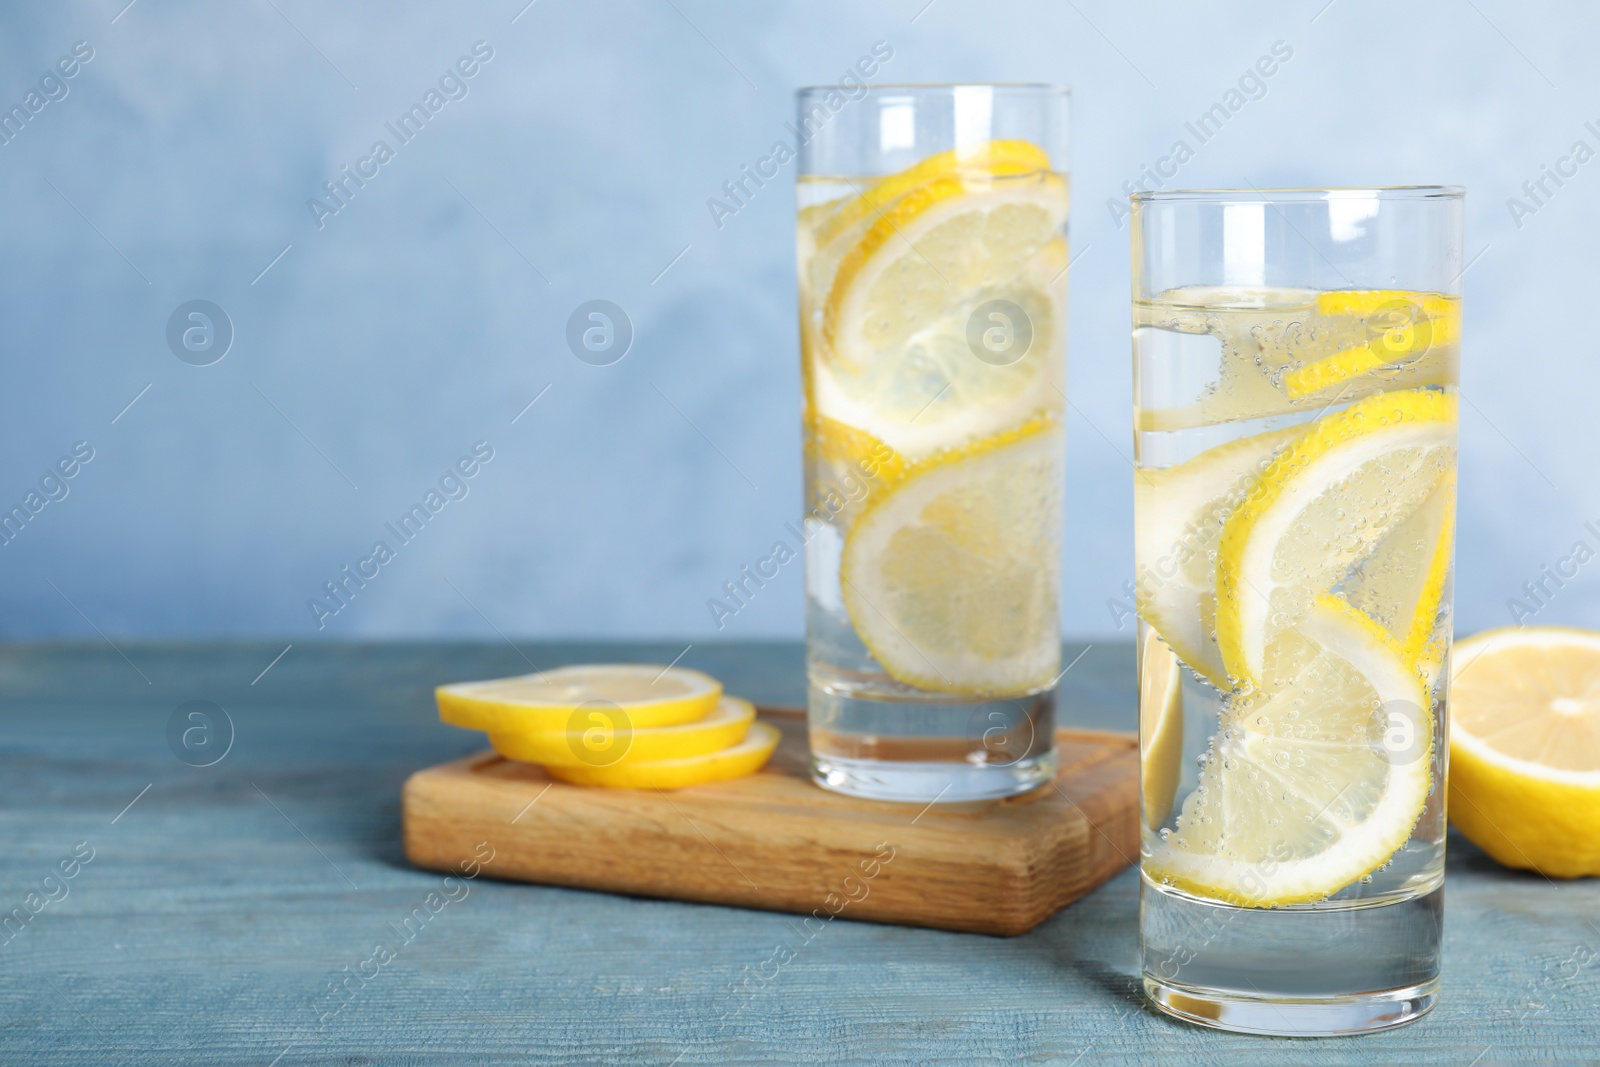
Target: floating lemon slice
x: 1324, y: 503
x: 991, y: 158
x: 1402, y: 583
x: 933, y: 392
x: 1160, y: 727
x: 601, y: 741
x: 649, y: 695
x: 950, y: 578
x: 1364, y: 303
x: 827, y: 233
x: 1403, y: 329
x: 1311, y: 784
x: 848, y: 448
x: 953, y: 235
x: 847, y: 467
x: 1525, y: 747
x: 1178, y: 515
x: 941, y: 324
x: 747, y: 757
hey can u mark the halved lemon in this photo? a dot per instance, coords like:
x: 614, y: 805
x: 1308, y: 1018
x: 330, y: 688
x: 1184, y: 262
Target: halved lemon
x: 1324, y: 503
x: 1178, y: 515
x: 1160, y: 727
x: 950, y: 577
x: 1311, y: 784
x: 599, y: 741
x: 1525, y: 747
x: 746, y: 757
x: 650, y: 695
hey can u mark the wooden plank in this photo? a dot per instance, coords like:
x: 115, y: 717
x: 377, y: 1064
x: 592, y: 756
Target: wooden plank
x: 776, y: 841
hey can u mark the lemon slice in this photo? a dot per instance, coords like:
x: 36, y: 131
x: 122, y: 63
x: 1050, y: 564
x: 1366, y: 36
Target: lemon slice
x: 1323, y: 504
x: 950, y: 577
x: 1308, y: 785
x: 990, y: 158
x: 1403, y: 328
x: 953, y: 235
x: 845, y: 467
x: 1364, y: 303
x: 747, y: 757
x: 933, y: 392
x: 827, y: 233
x: 1525, y: 747
x: 941, y: 324
x: 1402, y: 583
x: 601, y: 741
x: 1160, y: 727
x: 649, y: 695
x: 846, y: 448
x: 1179, y: 512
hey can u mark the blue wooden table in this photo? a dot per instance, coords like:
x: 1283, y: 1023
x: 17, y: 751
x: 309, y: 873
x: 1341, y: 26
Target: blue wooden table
x: 214, y: 913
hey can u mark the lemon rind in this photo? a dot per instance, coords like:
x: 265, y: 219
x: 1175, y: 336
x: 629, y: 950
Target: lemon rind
x: 1239, y: 609
x: 741, y: 760
x: 723, y: 728
x: 1216, y: 877
x: 459, y: 704
x: 1043, y: 433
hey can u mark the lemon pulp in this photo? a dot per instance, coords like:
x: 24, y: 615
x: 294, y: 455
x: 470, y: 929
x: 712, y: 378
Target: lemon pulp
x: 1525, y: 747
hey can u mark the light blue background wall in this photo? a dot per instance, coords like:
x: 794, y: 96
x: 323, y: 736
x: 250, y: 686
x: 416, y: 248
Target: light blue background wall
x: 428, y: 312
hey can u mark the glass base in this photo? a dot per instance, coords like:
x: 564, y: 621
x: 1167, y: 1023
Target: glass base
x: 925, y: 783
x: 1294, y: 1016
x: 1341, y: 966
x: 872, y: 737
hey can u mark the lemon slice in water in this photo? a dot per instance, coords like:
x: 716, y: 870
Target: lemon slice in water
x: 950, y: 577
x: 1326, y: 501
x: 1178, y: 515
x: 1311, y: 784
x: 1160, y: 727
x: 940, y: 323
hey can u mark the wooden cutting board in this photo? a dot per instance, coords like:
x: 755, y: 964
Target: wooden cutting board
x: 777, y: 841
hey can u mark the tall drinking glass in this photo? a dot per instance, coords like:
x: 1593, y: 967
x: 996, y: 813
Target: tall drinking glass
x: 1295, y: 356
x: 932, y: 274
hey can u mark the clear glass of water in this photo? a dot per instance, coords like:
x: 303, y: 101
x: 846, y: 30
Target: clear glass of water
x: 932, y: 277
x: 1295, y: 358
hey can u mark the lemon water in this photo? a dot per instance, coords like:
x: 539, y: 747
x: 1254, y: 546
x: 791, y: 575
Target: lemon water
x: 1295, y: 492
x: 932, y: 325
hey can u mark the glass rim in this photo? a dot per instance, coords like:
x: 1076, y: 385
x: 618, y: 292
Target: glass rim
x: 1055, y: 88
x: 1293, y: 194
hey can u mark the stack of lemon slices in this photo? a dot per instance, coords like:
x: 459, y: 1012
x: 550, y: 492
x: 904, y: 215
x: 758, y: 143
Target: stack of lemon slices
x: 637, y: 726
x: 948, y: 565
x: 1301, y: 572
